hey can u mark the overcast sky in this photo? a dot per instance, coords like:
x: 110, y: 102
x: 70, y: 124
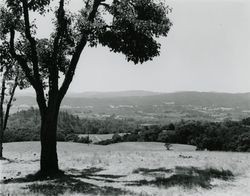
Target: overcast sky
x: 207, y: 49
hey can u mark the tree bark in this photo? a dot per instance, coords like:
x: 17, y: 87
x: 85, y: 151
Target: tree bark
x: 2, y: 114
x: 49, y: 160
x: 9, y: 104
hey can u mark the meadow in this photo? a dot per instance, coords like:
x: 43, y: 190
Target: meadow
x: 141, y: 168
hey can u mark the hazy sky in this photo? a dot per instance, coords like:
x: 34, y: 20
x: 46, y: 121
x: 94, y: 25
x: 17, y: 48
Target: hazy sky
x: 207, y: 49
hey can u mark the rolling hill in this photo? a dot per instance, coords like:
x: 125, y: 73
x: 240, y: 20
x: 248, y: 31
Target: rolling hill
x: 146, y: 105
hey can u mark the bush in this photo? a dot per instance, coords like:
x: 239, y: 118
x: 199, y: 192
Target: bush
x: 168, y: 146
x: 246, y: 121
x: 18, y: 135
x: 132, y: 137
x: 85, y: 140
x: 167, y: 136
x: 243, y: 143
x: 116, y: 138
x: 72, y: 137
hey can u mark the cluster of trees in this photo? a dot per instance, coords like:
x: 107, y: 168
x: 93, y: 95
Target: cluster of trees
x: 219, y: 136
x: 10, y: 78
x: 222, y: 136
x: 25, y: 126
x: 108, y: 125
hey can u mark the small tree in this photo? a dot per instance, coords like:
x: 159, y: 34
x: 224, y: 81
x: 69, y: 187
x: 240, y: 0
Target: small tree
x: 168, y: 146
x: 125, y: 26
x: 11, y: 77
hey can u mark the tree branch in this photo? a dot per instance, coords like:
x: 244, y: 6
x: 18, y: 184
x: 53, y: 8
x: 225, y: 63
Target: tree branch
x: 31, y: 3
x: 105, y: 5
x: 94, y: 10
x: 38, y: 86
x: 31, y: 40
x: 76, y: 56
x: 71, y: 70
x: 23, y: 63
x: 53, y: 67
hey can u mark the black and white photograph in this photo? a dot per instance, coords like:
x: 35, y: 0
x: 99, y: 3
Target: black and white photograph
x: 124, y: 97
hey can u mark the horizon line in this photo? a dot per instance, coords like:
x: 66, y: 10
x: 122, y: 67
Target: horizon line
x: 147, y: 91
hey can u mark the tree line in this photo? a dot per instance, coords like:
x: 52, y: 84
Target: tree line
x: 213, y: 136
x: 219, y: 136
x: 25, y: 126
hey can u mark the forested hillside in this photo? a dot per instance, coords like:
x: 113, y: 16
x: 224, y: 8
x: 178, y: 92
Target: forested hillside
x: 25, y: 126
x: 225, y: 136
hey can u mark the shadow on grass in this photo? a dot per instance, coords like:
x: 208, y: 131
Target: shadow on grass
x: 187, y: 177
x: 153, y: 172
x: 70, y: 182
x: 8, y: 160
x: 73, y: 180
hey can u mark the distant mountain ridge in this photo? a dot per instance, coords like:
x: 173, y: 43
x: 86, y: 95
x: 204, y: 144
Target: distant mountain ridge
x: 241, y: 100
x: 96, y: 94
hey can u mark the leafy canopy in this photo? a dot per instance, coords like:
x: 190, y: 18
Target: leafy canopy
x: 130, y: 27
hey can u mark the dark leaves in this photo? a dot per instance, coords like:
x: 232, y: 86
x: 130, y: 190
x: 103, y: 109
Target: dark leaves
x: 137, y: 47
x: 135, y: 25
x: 129, y: 27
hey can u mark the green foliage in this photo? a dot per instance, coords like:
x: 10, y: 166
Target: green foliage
x: 77, y: 139
x: 243, y: 142
x: 246, y: 121
x: 132, y: 137
x: 25, y: 126
x: 116, y: 138
x: 133, y: 28
x: 168, y: 145
x: 220, y: 136
x: 224, y: 136
x: 149, y: 134
x: 167, y: 136
x: 109, y: 125
x: 20, y: 135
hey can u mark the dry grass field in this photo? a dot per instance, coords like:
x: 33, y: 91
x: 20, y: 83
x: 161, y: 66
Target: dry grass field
x: 127, y: 169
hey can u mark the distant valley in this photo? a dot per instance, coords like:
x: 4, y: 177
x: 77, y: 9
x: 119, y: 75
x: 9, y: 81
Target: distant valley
x: 152, y: 107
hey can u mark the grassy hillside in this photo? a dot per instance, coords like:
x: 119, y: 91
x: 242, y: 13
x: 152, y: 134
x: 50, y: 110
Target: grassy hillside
x: 126, y: 169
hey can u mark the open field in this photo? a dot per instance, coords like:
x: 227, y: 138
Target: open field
x: 126, y: 169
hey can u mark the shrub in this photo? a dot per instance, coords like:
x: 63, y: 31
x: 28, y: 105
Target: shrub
x: 116, y: 138
x: 85, y: 140
x: 243, y: 143
x: 168, y: 146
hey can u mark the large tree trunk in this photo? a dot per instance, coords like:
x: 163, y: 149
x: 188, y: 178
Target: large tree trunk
x: 49, y: 161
